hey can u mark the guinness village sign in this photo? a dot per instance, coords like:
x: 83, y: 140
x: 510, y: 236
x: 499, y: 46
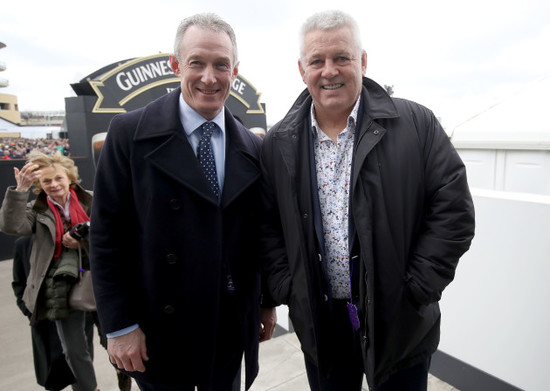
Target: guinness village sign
x: 128, y: 85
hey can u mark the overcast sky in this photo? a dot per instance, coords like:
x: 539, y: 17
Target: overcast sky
x: 456, y: 57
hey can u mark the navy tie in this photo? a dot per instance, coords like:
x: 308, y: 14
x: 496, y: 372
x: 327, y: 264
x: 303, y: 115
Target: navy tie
x: 206, y: 157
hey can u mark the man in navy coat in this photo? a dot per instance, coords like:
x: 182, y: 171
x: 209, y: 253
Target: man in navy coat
x: 174, y: 232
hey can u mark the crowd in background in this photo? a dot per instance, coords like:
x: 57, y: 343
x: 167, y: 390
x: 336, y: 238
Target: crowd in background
x: 19, y: 148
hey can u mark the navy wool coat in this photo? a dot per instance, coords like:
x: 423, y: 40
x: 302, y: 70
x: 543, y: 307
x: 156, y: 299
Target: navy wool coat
x: 160, y: 241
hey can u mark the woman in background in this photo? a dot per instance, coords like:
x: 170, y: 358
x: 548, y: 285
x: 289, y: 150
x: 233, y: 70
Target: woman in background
x: 60, y: 205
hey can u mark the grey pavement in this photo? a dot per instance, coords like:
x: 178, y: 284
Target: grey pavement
x: 281, y: 361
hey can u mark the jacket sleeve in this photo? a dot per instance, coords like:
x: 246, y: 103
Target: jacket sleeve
x: 113, y: 241
x: 275, y: 272
x: 448, y: 224
x: 16, y: 215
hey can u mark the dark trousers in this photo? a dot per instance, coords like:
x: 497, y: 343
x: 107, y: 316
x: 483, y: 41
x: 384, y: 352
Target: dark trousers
x: 235, y: 386
x: 229, y: 353
x: 343, y: 349
x: 72, y: 335
x: 414, y: 378
x: 346, y: 370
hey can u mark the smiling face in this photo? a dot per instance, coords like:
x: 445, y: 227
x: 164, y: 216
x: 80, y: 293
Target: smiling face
x: 206, y: 70
x: 332, y: 67
x: 55, y: 183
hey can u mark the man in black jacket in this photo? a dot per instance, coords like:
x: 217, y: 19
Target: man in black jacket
x: 368, y: 212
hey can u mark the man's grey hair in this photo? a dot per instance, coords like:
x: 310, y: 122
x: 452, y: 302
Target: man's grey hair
x: 207, y: 21
x: 329, y: 20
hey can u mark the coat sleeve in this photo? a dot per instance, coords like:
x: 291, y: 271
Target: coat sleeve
x: 448, y: 223
x: 276, y: 273
x: 113, y: 239
x: 16, y: 215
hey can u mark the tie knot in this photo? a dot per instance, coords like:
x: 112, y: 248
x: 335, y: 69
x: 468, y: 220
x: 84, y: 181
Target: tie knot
x: 208, y: 129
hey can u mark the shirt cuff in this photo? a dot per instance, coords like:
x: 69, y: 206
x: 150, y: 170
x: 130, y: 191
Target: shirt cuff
x: 125, y: 331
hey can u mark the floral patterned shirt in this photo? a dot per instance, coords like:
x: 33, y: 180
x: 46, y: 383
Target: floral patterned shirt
x: 333, y: 167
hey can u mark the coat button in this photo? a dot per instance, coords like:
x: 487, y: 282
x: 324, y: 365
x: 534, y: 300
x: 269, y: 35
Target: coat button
x: 325, y: 298
x: 175, y: 204
x: 171, y: 259
x: 305, y: 215
x: 377, y: 132
x: 169, y: 309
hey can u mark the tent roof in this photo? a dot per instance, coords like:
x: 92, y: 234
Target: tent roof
x: 517, y: 122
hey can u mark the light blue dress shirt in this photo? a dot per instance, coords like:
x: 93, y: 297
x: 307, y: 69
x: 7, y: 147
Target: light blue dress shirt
x: 191, y: 122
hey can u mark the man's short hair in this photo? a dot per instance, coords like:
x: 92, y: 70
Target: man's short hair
x: 207, y: 21
x: 329, y: 20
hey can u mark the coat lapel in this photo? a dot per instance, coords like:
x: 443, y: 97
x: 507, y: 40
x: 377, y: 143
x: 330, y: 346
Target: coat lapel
x: 295, y: 141
x: 376, y: 104
x: 241, y: 166
x: 292, y: 133
x: 170, y: 152
x: 370, y: 133
x: 176, y: 158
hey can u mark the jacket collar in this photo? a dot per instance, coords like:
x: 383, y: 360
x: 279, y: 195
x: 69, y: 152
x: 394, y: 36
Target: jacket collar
x: 376, y: 104
x: 292, y: 129
x: 174, y: 156
x: 160, y: 117
x: 241, y: 165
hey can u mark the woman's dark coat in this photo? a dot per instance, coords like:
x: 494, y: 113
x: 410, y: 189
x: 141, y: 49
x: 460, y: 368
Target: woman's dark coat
x: 413, y: 218
x: 160, y: 241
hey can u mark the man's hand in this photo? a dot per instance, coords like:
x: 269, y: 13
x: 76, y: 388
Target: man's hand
x: 128, y: 351
x: 268, y: 319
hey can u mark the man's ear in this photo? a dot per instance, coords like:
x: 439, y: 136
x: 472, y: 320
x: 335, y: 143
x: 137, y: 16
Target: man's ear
x: 235, y: 71
x: 364, y: 62
x: 302, y: 71
x: 175, y: 65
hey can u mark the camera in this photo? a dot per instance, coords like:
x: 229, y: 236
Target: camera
x: 80, y: 230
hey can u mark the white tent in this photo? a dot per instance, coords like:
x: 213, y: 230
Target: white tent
x: 519, y: 121
x: 507, y: 146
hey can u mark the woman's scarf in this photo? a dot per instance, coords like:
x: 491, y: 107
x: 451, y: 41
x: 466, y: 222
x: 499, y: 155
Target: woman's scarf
x: 77, y: 215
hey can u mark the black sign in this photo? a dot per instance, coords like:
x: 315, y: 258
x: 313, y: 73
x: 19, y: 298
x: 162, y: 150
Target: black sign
x: 130, y: 84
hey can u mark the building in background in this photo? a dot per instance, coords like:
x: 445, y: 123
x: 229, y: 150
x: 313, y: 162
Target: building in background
x: 9, y: 109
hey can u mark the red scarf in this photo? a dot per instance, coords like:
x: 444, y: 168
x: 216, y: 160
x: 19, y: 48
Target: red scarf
x: 77, y: 215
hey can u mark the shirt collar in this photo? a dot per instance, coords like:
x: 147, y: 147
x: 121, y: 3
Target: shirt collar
x: 352, y: 118
x: 191, y: 120
x: 63, y: 208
